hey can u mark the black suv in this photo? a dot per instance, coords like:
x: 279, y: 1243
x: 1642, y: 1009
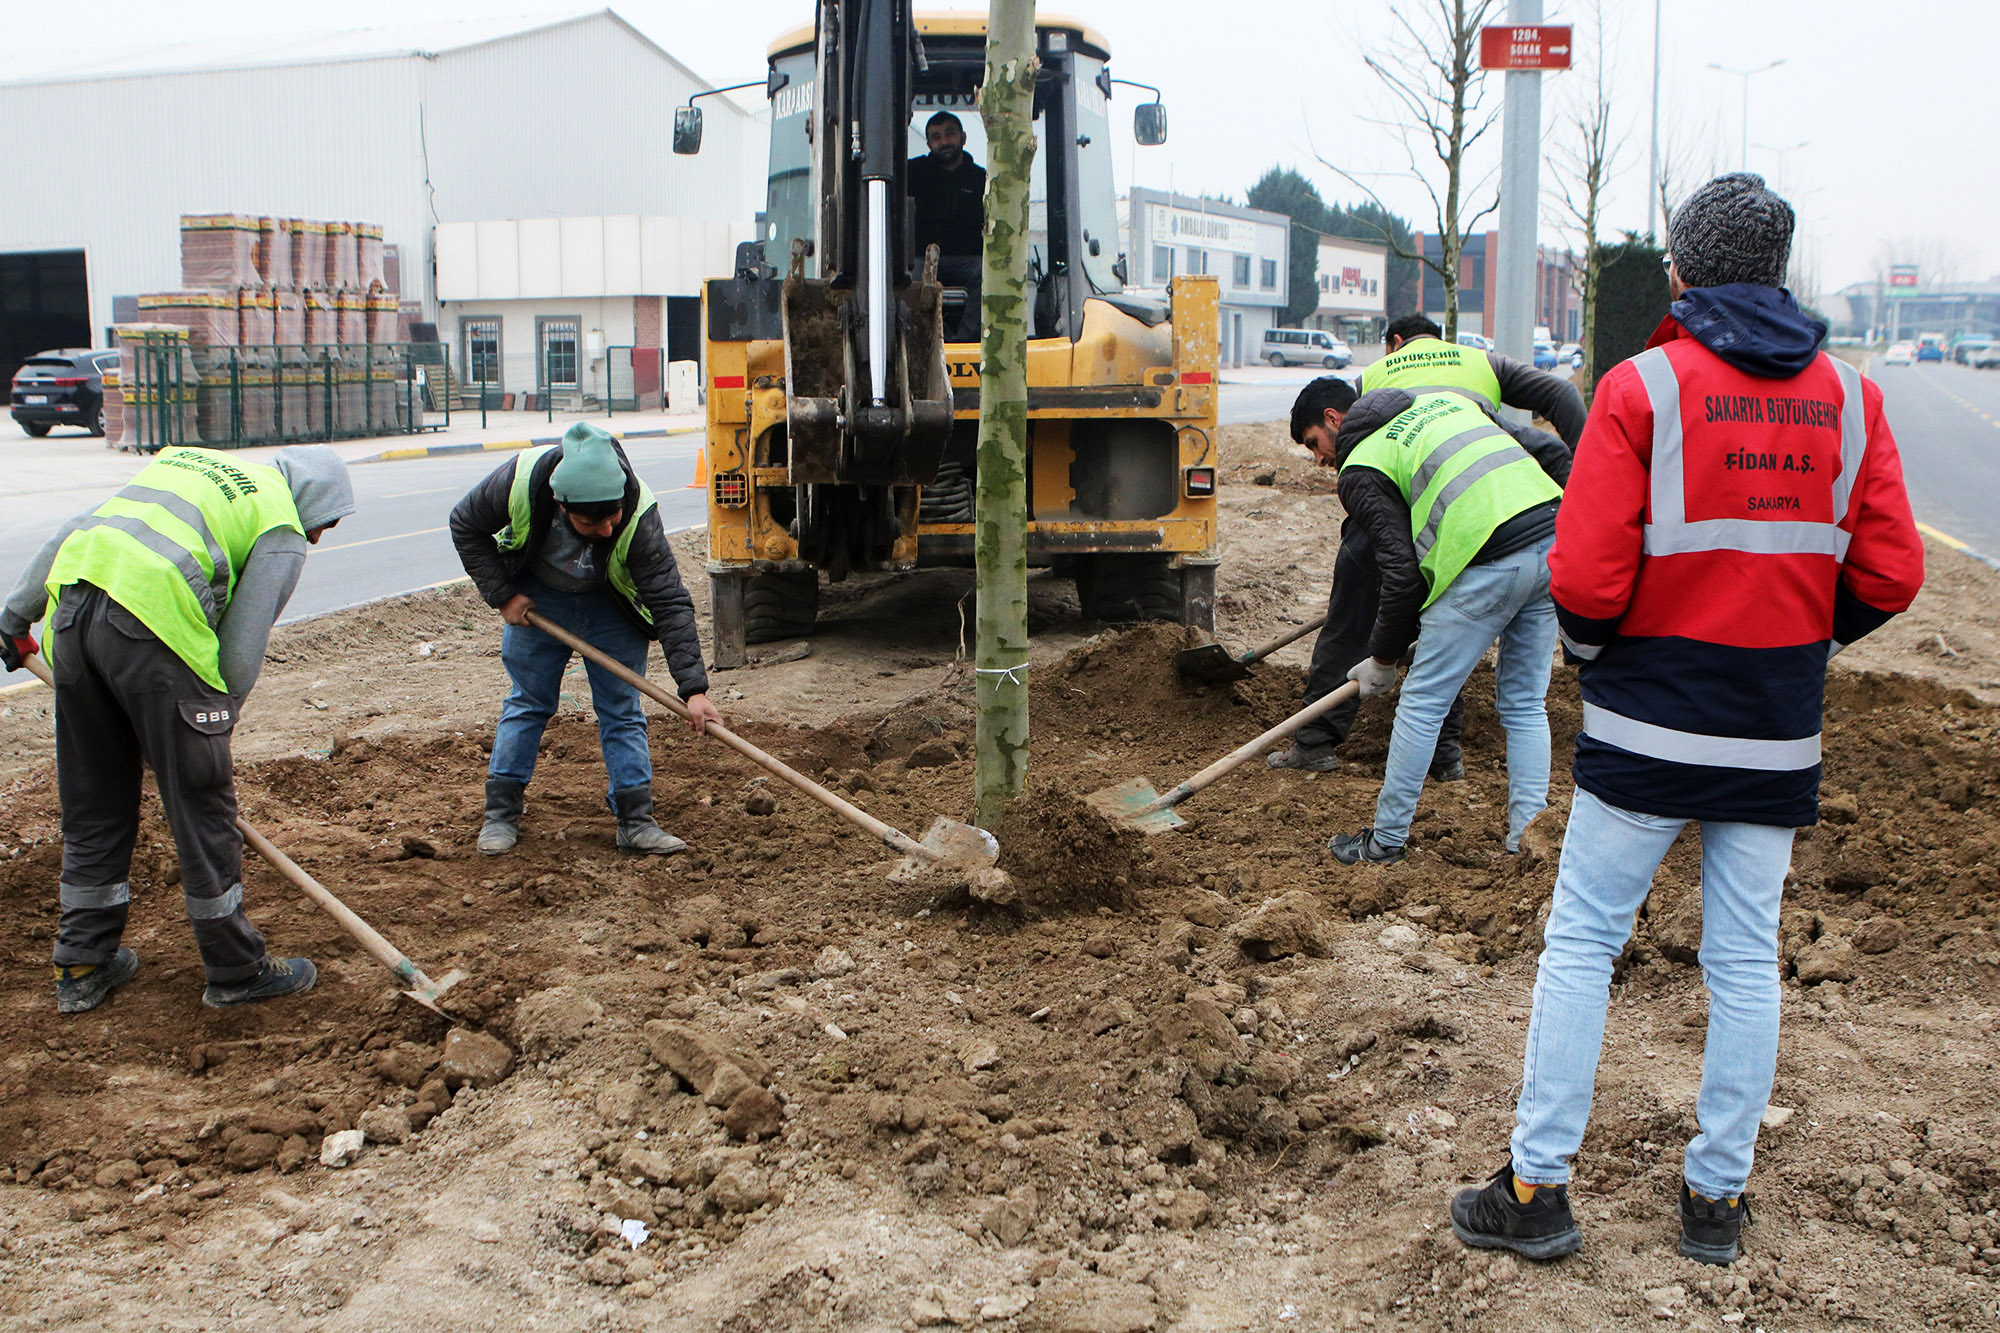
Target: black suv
x: 62, y: 388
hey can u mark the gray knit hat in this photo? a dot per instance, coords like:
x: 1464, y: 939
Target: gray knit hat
x: 1733, y: 229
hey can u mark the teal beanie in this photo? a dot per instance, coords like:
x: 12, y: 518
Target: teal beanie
x: 589, y: 472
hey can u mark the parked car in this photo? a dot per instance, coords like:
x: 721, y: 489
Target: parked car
x: 1545, y: 355
x: 1929, y: 352
x: 1985, y: 358
x: 1572, y: 353
x: 1479, y: 340
x: 64, y: 387
x: 1962, y: 350
x: 1900, y: 354
x: 1304, y: 347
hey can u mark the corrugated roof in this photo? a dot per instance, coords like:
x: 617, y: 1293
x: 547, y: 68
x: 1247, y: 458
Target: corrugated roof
x: 256, y: 50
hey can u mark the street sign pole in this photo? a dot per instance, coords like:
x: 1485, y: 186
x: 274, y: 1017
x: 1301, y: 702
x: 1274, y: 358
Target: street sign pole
x: 1520, y: 203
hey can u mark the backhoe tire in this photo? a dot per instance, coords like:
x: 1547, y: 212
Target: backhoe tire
x: 1127, y: 589
x: 780, y: 606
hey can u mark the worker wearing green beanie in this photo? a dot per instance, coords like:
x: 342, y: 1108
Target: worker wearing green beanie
x: 570, y: 531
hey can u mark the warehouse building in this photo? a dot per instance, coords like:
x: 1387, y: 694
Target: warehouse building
x: 1247, y: 249
x: 419, y: 130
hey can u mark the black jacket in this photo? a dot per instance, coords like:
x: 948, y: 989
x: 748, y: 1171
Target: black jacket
x: 1373, y: 500
x: 482, y: 515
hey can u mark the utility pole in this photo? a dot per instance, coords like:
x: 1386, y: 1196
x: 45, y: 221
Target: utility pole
x: 1653, y: 160
x: 1746, y: 75
x: 1520, y: 202
x: 1000, y: 542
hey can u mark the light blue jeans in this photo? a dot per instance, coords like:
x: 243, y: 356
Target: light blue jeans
x: 1609, y: 857
x: 1505, y: 600
x: 535, y: 664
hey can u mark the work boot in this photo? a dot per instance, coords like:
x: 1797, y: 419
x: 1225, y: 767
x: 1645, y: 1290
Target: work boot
x: 275, y: 978
x: 1494, y: 1218
x: 81, y: 987
x: 1448, y: 770
x: 1710, y: 1227
x: 637, y: 833
x: 502, y: 829
x: 1305, y: 757
x: 1350, y: 848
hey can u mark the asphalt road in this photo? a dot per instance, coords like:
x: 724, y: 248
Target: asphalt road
x: 1946, y: 419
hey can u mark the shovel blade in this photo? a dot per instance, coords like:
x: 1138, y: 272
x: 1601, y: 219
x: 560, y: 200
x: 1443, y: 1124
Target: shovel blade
x: 428, y: 996
x: 1211, y: 663
x: 959, y: 846
x: 1127, y: 804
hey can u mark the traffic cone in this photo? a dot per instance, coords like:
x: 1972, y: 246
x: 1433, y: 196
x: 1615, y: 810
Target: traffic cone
x: 700, y: 479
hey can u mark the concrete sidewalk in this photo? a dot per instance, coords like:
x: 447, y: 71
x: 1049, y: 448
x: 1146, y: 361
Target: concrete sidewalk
x: 71, y: 461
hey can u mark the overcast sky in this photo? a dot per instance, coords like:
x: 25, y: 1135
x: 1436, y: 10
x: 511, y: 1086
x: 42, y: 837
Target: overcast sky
x: 1895, y: 105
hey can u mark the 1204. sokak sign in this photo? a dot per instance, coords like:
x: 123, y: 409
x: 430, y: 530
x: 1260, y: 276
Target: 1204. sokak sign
x: 1524, y: 46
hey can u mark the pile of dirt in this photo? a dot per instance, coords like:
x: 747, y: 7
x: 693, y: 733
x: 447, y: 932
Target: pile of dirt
x: 760, y: 1085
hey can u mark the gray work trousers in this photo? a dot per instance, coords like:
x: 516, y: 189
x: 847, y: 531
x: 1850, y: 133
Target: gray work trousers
x: 123, y: 699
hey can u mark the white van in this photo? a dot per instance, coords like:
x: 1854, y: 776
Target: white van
x: 1305, y: 347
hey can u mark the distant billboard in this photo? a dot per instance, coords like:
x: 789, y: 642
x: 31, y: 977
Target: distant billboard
x: 1903, y: 275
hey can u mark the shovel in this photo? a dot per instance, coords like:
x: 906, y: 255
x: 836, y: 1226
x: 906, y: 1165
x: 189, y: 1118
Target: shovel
x: 422, y: 989
x: 1137, y: 804
x: 1216, y: 665
x: 964, y: 846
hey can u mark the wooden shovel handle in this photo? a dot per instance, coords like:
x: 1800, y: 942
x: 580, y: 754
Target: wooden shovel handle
x: 847, y: 810
x: 1264, y: 650
x: 1250, y: 749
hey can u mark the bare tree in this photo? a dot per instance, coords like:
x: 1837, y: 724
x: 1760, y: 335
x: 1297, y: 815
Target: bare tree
x: 1586, y: 157
x: 1432, y: 71
x: 1692, y: 157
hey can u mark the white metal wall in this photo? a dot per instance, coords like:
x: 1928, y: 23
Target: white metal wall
x: 589, y: 256
x: 570, y: 120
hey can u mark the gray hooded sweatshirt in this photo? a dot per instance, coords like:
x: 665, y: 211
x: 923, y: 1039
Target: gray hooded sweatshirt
x: 323, y: 494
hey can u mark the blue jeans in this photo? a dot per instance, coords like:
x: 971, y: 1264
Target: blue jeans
x: 1505, y: 600
x: 535, y: 664
x: 1609, y: 856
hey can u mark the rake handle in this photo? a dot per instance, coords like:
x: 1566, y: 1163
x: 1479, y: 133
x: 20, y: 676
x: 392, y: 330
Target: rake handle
x: 1264, y: 650
x: 1250, y: 749
x: 847, y: 810
x: 364, y: 934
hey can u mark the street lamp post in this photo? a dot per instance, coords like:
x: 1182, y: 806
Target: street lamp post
x: 1782, y: 153
x: 1745, y: 75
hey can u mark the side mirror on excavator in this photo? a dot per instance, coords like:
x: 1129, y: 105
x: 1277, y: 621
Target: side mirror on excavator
x: 687, y: 130
x: 1149, y: 124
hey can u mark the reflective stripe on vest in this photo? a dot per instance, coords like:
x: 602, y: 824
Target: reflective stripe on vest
x: 1669, y: 532
x: 1426, y: 365
x: 521, y: 521
x: 1692, y: 747
x: 170, y: 546
x: 1461, y: 475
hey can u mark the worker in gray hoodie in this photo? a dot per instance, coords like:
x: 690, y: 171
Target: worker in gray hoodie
x: 158, y: 604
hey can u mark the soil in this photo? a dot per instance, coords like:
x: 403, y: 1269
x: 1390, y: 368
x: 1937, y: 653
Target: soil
x: 1203, y: 1080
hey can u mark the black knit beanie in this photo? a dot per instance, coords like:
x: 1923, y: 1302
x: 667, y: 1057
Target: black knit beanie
x: 1733, y: 229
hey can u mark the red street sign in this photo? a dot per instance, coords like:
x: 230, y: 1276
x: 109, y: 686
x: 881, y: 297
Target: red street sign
x: 1903, y: 275
x: 1535, y: 46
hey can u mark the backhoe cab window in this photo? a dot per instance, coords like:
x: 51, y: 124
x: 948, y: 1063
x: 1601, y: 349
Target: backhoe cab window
x: 928, y: 182
x: 788, y: 211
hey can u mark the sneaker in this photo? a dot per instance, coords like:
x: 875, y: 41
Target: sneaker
x: 1451, y: 770
x: 1305, y: 758
x: 82, y: 987
x: 275, y: 978
x: 1493, y: 1218
x: 1349, y: 848
x: 1709, y: 1227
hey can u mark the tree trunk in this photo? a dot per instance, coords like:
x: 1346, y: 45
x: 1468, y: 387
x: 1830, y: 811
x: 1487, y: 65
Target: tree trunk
x: 1006, y: 107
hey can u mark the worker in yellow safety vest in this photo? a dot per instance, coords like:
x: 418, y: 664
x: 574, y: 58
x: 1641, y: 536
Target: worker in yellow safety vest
x: 158, y: 605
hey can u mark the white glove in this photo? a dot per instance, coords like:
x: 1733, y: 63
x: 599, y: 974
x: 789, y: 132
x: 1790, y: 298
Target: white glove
x: 1375, y: 677
x: 1833, y: 648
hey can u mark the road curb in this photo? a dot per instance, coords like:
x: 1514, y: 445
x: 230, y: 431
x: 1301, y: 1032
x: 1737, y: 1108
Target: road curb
x: 1957, y: 545
x: 505, y: 446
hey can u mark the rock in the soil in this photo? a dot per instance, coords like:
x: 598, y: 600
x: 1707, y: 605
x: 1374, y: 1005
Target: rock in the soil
x: 282, y: 1121
x: 251, y: 1151
x: 1291, y: 925
x: 766, y: 982
x: 760, y: 803
x: 338, y: 1150
x: 705, y: 921
x: 474, y: 1059
x: 1004, y: 1305
x: 991, y: 884
x: 1264, y: 476
x: 740, y: 1188
x: 1776, y: 1118
x: 649, y: 1166
x: 549, y: 1022
x: 1399, y: 938
x: 1115, y: 1012
x: 1828, y: 958
x: 1181, y: 1210
x: 1122, y: 1308
x: 1857, y: 872
x: 1010, y: 1220
x: 1841, y: 808
x: 831, y: 962
x: 118, y: 1174
x: 1100, y: 946
x: 619, y: 1102
x: 1541, y: 841
x: 1665, y: 1300
x: 386, y: 1124
x: 716, y: 1073
x: 929, y: 1312
x: 603, y: 1270
x: 977, y: 1053
x: 402, y: 1065
x: 1878, y: 934
x: 295, y: 1154
x: 932, y: 754
x: 754, y: 1113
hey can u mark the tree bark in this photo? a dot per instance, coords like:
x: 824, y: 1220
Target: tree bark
x: 1006, y: 108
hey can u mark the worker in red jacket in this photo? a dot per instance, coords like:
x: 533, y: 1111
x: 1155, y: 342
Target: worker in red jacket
x: 1734, y: 518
